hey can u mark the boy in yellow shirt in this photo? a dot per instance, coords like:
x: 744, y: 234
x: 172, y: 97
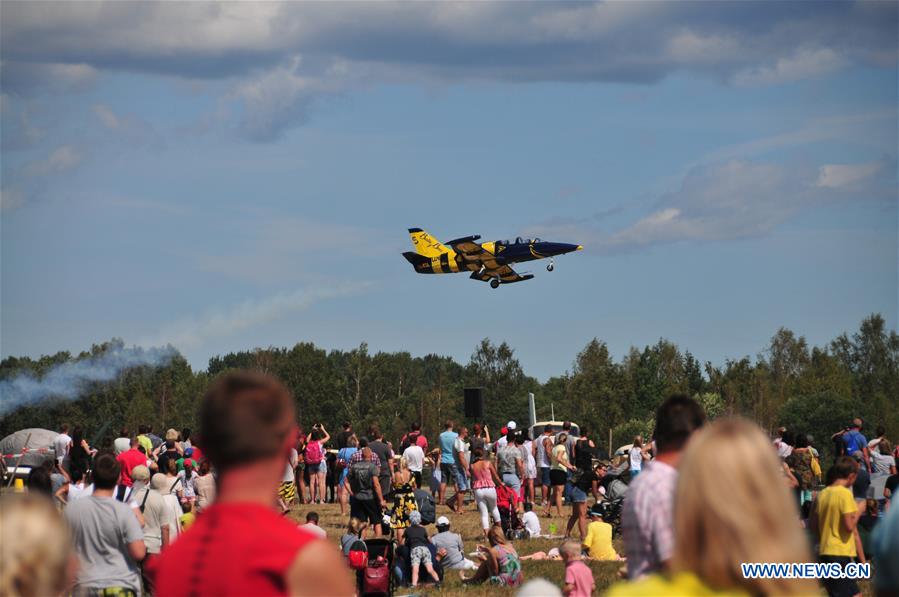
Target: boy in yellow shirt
x: 598, y: 541
x: 834, y: 521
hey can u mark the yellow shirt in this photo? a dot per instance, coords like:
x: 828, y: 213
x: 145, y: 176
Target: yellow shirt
x: 683, y: 583
x: 559, y: 455
x: 598, y: 541
x: 146, y: 443
x: 833, y: 503
x: 187, y: 520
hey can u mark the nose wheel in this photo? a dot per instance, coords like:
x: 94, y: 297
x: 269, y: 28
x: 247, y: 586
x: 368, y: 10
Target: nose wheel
x: 550, y: 266
x: 494, y: 283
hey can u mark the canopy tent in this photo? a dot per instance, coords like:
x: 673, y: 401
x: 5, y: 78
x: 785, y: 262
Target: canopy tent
x: 39, y: 447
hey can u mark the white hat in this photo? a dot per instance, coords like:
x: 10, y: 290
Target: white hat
x: 443, y: 521
x: 512, y: 425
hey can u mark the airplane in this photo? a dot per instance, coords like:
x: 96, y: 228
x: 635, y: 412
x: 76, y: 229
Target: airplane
x: 489, y: 261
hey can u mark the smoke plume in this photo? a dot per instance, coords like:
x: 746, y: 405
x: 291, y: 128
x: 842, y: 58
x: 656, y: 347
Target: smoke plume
x: 70, y: 379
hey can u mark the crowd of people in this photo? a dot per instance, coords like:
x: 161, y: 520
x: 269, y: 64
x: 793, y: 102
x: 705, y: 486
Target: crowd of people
x: 692, y: 503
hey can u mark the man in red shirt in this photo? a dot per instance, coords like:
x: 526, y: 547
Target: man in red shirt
x: 127, y: 461
x: 241, y: 545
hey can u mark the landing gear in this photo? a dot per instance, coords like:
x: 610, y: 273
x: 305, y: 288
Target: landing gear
x: 550, y: 266
x: 494, y: 283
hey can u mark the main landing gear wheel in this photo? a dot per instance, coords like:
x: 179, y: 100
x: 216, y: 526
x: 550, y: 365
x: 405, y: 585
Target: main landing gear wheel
x: 550, y: 266
x: 494, y: 283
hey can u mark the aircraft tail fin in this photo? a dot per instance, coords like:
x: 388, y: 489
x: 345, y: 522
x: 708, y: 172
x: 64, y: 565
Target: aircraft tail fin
x: 425, y: 244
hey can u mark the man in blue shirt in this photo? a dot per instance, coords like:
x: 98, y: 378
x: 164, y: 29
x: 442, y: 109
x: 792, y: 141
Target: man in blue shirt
x: 856, y: 442
x: 447, y: 443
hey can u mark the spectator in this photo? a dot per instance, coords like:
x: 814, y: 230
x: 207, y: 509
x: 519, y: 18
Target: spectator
x: 61, y: 444
x: 247, y: 426
x: 204, y: 486
x: 316, y: 464
x: 578, y: 576
x: 886, y: 553
x: 159, y: 520
x: 39, y: 481
x: 543, y: 451
x: 528, y: 451
x: 127, y: 460
x: 175, y: 486
x: 637, y: 456
x: 531, y: 521
x: 415, y: 457
x: 451, y: 543
x: 366, y: 498
x: 415, y: 436
x: 889, y: 490
x: 301, y: 472
x: 122, y: 443
x: 75, y: 489
x: 715, y: 531
x: 582, y: 481
x: 510, y: 464
x: 448, y: 471
x: 143, y: 436
x: 353, y: 533
x: 500, y: 564
x: 854, y: 442
x: 107, y: 535
x: 344, y: 455
x: 386, y: 465
x: 35, y: 548
x: 80, y: 452
x: 168, y: 451
x: 186, y: 443
x: 480, y: 438
x: 484, y: 481
x: 558, y: 474
x: 783, y: 443
x: 416, y: 540
x: 800, y: 463
x: 343, y: 436
x: 646, y: 519
x: 403, y: 500
x: 287, y: 491
x: 188, y: 477
x: 834, y: 521
x: 311, y: 526
x: 163, y: 484
x: 598, y: 541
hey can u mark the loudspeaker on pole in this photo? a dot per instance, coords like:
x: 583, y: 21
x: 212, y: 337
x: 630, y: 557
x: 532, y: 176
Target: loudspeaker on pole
x: 474, y: 403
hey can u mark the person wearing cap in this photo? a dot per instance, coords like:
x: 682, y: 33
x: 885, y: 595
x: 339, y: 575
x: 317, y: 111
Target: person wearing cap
x: 598, y: 542
x: 241, y: 545
x: 455, y: 551
x: 159, y: 519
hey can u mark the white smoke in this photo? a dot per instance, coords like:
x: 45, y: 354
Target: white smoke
x: 70, y: 379
x: 219, y: 323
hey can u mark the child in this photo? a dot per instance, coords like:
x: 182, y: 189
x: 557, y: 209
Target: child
x: 188, y: 516
x: 416, y: 538
x: 530, y: 520
x: 353, y: 533
x: 598, y: 541
x: 578, y: 576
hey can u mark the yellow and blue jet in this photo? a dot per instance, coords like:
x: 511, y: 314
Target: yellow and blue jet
x: 488, y: 261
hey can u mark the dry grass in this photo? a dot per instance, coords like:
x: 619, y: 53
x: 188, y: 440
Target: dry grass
x: 469, y: 526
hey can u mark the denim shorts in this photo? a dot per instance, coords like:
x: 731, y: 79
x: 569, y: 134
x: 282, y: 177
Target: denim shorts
x: 544, y: 476
x: 578, y: 495
x: 512, y: 481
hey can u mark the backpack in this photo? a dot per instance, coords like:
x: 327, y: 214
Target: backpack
x: 313, y: 453
x: 357, y: 557
x: 426, y: 506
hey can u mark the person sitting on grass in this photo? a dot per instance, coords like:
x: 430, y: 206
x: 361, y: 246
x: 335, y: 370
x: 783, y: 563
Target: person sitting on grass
x: 353, y: 533
x: 451, y: 542
x: 578, y: 576
x: 416, y: 540
x: 598, y: 541
x: 500, y: 562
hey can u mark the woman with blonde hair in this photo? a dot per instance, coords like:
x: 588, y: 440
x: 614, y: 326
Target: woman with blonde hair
x: 35, y: 548
x: 558, y: 474
x: 403, y: 499
x: 730, y: 507
x: 500, y: 563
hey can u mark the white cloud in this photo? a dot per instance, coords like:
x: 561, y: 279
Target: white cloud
x: 804, y: 64
x: 61, y: 159
x: 835, y: 176
x: 107, y: 117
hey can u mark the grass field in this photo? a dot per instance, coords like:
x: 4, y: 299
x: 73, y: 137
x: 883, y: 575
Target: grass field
x: 468, y: 525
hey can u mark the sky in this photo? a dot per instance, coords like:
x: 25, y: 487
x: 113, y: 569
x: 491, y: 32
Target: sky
x: 224, y: 176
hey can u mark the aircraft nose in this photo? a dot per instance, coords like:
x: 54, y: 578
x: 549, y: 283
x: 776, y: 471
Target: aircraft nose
x: 546, y: 248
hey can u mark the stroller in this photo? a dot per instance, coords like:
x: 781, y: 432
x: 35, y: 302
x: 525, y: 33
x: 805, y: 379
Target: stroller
x: 507, y: 504
x: 376, y: 579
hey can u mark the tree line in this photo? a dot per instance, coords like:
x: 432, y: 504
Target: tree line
x: 813, y: 389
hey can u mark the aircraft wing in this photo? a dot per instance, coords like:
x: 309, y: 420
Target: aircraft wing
x: 482, y: 263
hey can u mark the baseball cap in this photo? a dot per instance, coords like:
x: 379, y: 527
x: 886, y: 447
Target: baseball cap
x: 443, y: 521
x: 504, y: 430
x: 188, y: 462
x: 512, y: 425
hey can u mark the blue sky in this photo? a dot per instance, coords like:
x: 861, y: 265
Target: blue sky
x: 226, y: 176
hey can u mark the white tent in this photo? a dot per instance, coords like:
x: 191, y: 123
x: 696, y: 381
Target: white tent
x: 38, y: 448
